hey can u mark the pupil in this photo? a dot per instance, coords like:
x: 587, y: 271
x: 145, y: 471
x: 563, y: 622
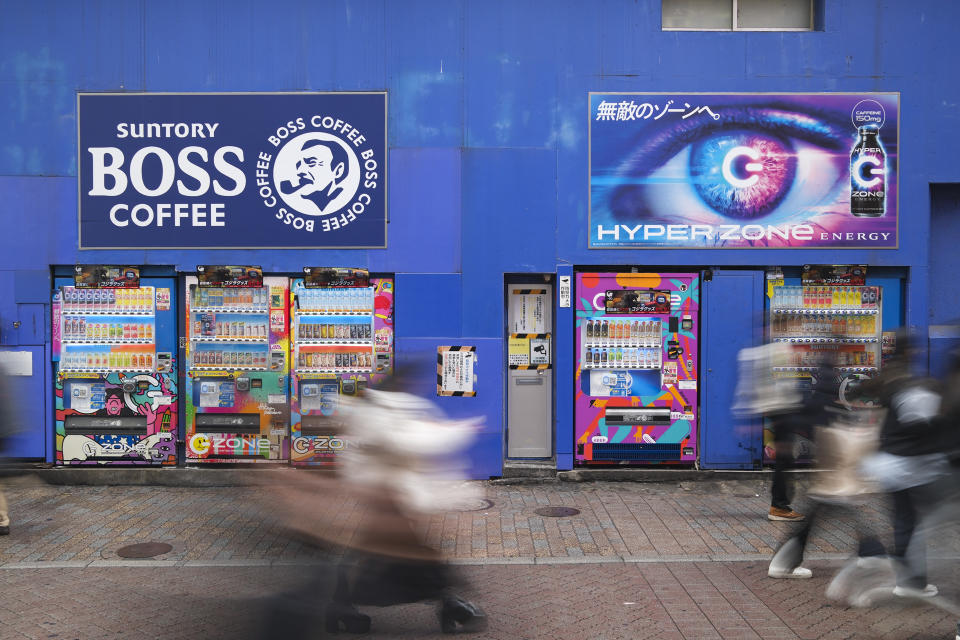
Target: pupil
x: 742, y: 174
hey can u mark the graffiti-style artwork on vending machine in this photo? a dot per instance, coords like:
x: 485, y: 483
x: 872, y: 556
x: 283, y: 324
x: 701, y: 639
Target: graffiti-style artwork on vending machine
x: 115, y: 386
x: 342, y: 341
x: 103, y: 404
x: 636, y: 383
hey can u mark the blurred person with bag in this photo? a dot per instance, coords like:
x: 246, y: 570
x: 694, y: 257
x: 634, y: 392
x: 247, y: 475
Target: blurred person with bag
x: 403, y: 457
x: 913, y: 463
x: 760, y: 393
x: 819, y: 408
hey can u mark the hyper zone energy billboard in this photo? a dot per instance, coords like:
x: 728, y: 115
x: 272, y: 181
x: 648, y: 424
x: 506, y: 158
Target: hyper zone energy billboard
x: 708, y: 170
x: 232, y: 170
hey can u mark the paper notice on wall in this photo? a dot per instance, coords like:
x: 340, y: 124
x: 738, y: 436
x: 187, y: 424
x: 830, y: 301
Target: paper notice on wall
x: 528, y: 309
x: 540, y: 351
x: 564, y: 290
x: 518, y: 351
x: 455, y: 371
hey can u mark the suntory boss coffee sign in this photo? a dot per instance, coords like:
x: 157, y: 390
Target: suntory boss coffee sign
x: 232, y: 170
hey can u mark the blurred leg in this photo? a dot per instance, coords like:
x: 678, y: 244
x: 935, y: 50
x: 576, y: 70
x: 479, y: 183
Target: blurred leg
x: 4, y: 514
x: 789, y: 556
x: 783, y: 444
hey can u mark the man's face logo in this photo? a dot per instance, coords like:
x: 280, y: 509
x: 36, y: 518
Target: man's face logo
x: 114, y: 405
x: 316, y: 173
x: 315, y: 170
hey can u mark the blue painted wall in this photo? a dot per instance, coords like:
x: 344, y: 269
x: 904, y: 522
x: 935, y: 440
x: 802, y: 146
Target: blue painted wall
x: 487, y: 125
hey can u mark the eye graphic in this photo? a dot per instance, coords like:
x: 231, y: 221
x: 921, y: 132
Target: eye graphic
x: 770, y: 164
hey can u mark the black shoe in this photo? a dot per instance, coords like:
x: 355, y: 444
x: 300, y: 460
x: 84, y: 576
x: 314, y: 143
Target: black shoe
x: 345, y: 617
x: 5, y: 530
x: 459, y: 616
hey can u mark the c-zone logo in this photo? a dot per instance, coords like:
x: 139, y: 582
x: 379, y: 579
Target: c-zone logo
x: 325, y: 174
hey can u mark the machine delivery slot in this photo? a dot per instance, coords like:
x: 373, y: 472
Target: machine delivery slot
x: 120, y: 425
x: 228, y: 422
x: 617, y: 416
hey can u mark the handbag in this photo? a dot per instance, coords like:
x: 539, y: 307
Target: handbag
x: 841, y: 446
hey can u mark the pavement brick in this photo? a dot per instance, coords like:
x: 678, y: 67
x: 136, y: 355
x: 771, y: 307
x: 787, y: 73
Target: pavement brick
x: 639, y: 561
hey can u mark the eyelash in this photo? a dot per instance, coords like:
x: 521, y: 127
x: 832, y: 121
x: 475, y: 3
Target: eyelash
x: 664, y: 143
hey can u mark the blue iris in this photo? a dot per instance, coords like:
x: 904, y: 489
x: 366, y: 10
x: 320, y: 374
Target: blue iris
x: 743, y: 174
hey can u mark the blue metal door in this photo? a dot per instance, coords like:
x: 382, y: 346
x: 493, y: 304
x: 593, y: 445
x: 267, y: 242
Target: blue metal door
x: 732, y: 316
x: 25, y: 368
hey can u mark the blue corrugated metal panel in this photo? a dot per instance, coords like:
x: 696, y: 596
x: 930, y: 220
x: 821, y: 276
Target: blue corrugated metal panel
x: 256, y: 46
x: 427, y: 304
x: 424, y: 211
x: 8, y: 309
x: 32, y: 286
x: 425, y: 68
x: 513, y: 69
x: 418, y: 357
x: 39, y: 222
x: 507, y: 228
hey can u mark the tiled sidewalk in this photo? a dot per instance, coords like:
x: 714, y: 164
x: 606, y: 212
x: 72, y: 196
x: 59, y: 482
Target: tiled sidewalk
x: 640, y: 561
x: 618, y: 522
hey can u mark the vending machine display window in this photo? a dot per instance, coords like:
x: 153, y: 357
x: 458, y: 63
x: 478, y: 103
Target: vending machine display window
x: 116, y: 381
x: 636, y: 382
x: 341, y: 326
x: 237, y: 399
x: 833, y: 329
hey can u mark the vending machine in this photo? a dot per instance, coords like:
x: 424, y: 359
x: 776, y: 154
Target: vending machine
x: 636, y: 381
x: 114, y: 345
x: 341, y: 327
x: 833, y: 321
x: 237, y: 366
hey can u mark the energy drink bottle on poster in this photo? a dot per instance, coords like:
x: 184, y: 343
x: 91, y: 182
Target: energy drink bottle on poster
x: 868, y: 179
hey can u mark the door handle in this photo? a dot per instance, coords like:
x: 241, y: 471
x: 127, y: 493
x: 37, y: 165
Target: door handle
x: 537, y: 381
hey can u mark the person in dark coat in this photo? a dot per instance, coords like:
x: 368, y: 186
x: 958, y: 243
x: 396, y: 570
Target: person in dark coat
x: 917, y: 440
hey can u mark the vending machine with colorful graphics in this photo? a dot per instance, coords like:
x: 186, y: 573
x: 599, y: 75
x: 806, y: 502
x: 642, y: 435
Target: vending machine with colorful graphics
x: 637, y: 370
x: 237, y: 366
x: 114, y: 352
x: 833, y: 321
x: 341, y: 327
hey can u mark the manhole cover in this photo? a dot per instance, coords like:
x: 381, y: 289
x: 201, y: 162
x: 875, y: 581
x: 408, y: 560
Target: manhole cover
x: 144, y: 550
x: 476, y: 505
x: 556, y: 512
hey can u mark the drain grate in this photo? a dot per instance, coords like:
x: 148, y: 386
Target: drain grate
x: 556, y: 512
x: 476, y: 505
x: 144, y: 550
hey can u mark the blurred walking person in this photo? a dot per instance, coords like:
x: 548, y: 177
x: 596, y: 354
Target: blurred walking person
x: 913, y: 464
x: 400, y: 466
x: 9, y: 425
x: 760, y: 393
x: 841, y: 439
x: 403, y: 457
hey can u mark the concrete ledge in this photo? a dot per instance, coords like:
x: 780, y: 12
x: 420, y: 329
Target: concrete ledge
x: 252, y: 475
x: 666, y: 475
x: 261, y: 474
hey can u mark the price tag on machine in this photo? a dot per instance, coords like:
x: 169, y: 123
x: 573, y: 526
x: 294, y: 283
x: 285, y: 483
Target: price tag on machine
x: 774, y: 280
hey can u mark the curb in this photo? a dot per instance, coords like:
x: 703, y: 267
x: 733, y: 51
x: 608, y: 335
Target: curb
x: 258, y: 475
x: 668, y: 475
x: 169, y: 477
